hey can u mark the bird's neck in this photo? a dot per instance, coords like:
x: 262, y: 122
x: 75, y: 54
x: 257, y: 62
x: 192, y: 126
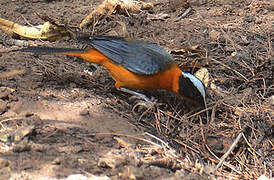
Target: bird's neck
x: 171, y: 78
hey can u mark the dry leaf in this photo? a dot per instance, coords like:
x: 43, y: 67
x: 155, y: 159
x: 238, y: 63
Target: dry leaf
x: 6, y: 75
x: 122, y: 143
x: 203, y: 75
x: 178, y: 51
x: 47, y: 31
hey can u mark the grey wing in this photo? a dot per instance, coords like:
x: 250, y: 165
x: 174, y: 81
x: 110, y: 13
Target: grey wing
x: 136, y: 56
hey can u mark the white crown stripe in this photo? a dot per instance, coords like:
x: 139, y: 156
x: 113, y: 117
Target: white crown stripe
x: 197, y: 82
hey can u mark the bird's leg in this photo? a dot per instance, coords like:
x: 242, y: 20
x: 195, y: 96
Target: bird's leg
x: 142, y: 96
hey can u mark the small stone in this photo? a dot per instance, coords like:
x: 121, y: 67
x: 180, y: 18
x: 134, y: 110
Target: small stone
x: 5, y: 92
x: 3, y: 106
x: 56, y: 161
x: 249, y: 18
x: 209, y: 169
x: 38, y: 147
x: 72, y: 85
x: 112, y: 159
x: 84, y: 112
x: 214, y: 35
x: 3, y: 163
x: 28, y: 114
x: 233, y: 53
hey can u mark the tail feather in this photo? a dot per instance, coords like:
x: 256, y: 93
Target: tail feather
x: 51, y: 50
x: 90, y: 54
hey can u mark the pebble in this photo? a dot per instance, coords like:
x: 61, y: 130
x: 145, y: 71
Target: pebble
x: 84, y: 112
x: 5, y: 92
x: 249, y: 18
x: 214, y: 35
x: 3, y: 163
x: 3, y: 106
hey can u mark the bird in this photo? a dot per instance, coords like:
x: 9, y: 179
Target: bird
x: 134, y: 65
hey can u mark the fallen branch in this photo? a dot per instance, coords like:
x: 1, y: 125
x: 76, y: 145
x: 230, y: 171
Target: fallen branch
x: 109, y: 7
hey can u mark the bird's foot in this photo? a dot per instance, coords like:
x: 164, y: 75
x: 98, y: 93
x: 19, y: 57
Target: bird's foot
x: 142, y: 102
x: 143, y: 106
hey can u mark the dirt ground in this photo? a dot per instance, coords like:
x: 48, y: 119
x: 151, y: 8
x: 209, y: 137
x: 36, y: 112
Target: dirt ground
x: 58, y: 121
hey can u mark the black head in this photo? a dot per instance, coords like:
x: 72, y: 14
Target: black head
x: 192, y: 88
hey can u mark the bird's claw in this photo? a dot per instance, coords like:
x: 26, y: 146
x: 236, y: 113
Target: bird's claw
x: 144, y: 101
x: 144, y: 105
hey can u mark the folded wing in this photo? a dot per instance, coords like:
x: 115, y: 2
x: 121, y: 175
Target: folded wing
x: 140, y: 57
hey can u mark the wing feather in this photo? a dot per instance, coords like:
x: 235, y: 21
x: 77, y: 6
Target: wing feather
x: 139, y: 57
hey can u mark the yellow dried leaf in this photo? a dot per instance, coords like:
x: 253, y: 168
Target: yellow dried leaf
x: 47, y: 31
x: 203, y: 75
x: 122, y: 143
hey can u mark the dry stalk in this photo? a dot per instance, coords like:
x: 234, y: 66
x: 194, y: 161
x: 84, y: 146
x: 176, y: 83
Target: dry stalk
x: 226, y: 66
x: 229, y: 151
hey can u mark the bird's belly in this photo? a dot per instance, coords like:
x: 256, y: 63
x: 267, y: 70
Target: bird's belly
x: 131, y: 80
x: 125, y: 78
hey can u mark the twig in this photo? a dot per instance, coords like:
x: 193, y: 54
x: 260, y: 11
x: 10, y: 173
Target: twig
x: 158, y: 139
x: 251, y: 146
x: 200, y: 112
x: 226, y: 164
x: 226, y: 66
x: 2, y: 120
x: 229, y: 151
x: 13, y: 119
x: 157, y: 122
x: 187, y: 11
x: 28, y: 22
x: 51, y: 134
x: 180, y: 142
